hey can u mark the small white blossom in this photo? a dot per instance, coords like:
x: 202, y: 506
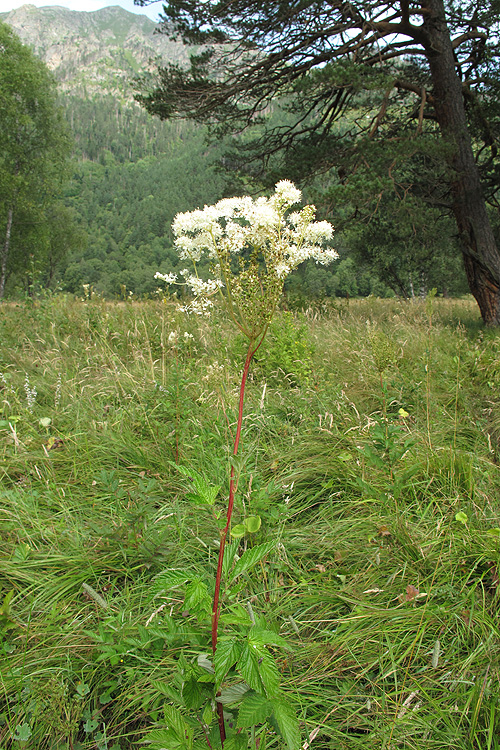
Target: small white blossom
x: 31, y: 394
x: 318, y: 231
x: 288, y: 193
x: 282, y: 270
x: 168, y: 278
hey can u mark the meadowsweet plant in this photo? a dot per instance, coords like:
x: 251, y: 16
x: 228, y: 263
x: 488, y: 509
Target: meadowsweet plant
x: 31, y: 394
x: 252, y: 246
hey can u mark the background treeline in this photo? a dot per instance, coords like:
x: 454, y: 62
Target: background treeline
x: 132, y: 175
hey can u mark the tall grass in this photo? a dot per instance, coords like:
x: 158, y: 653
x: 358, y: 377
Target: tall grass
x: 370, y: 452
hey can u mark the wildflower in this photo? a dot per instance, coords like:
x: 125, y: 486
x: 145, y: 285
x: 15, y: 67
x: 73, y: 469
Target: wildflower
x: 31, y: 394
x: 252, y: 245
x: 169, y: 278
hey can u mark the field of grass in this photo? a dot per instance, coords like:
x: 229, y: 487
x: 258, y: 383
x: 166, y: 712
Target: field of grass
x: 370, y: 452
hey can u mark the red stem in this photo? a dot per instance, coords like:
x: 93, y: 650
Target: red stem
x: 232, y: 490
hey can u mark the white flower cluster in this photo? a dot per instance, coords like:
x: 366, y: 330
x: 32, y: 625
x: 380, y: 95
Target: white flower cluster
x: 31, y: 394
x: 268, y: 241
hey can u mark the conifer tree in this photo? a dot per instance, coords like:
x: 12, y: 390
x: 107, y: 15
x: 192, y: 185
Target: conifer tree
x: 433, y: 63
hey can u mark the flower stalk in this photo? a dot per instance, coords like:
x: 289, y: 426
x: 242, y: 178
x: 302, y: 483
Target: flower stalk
x: 252, y: 246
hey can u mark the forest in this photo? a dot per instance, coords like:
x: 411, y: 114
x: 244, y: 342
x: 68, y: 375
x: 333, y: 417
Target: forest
x: 130, y: 173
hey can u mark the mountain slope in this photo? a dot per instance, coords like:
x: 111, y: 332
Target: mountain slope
x: 97, y: 52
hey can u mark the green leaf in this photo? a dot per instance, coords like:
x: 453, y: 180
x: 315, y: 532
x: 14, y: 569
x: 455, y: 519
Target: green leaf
x: 250, y: 558
x: 205, y: 493
x: 287, y: 722
x: 178, y: 733
x: 229, y: 554
x: 5, y: 608
x: 208, y: 714
x: 166, y: 688
x: 236, y: 742
x: 269, y: 674
x: 236, y: 615
x: 254, y: 710
x: 205, y: 663
x: 90, y: 726
x: 227, y: 654
x: 238, y: 531
x: 462, y: 517
x: 160, y: 739
x: 267, y: 638
x: 248, y: 667
x: 23, y: 733
x: 192, y: 693
x: 197, y: 598
x: 233, y: 694
x: 169, y: 579
x: 252, y: 524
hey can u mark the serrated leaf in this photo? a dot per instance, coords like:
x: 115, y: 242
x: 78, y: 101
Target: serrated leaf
x: 252, y: 524
x: 176, y: 722
x: 287, y: 722
x: 166, y: 739
x: 233, y: 694
x: 207, y: 715
x: 254, y: 710
x: 269, y: 674
x: 197, y: 598
x: 205, y: 493
x: 169, y: 579
x: 23, y: 732
x: 205, y: 663
x: 250, y: 558
x: 236, y: 615
x: 226, y: 655
x: 229, y: 555
x: 236, y: 742
x: 248, y: 667
x: 267, y: 637
x: 193, y: 694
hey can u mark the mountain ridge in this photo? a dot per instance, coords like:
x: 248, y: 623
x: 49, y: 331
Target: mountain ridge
x: 94, y: 52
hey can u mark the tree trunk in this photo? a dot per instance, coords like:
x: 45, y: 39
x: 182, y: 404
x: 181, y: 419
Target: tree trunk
x: 479, y: 248
x: 5, y: 252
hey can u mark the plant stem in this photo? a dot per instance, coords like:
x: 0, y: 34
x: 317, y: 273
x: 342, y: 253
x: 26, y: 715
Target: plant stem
x: 232, y: 490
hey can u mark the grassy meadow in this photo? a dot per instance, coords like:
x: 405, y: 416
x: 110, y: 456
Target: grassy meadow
x: 370, y: 452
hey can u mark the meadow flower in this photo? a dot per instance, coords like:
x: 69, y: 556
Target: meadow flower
x: 169, y: 278
x: 252, y: 246
x: 31, y: 394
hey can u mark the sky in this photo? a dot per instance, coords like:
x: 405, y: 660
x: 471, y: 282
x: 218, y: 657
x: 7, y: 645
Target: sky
x: 152, y: 11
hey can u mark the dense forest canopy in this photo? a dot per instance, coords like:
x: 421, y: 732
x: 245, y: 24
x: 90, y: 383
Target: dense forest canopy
x: 34, y: 146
